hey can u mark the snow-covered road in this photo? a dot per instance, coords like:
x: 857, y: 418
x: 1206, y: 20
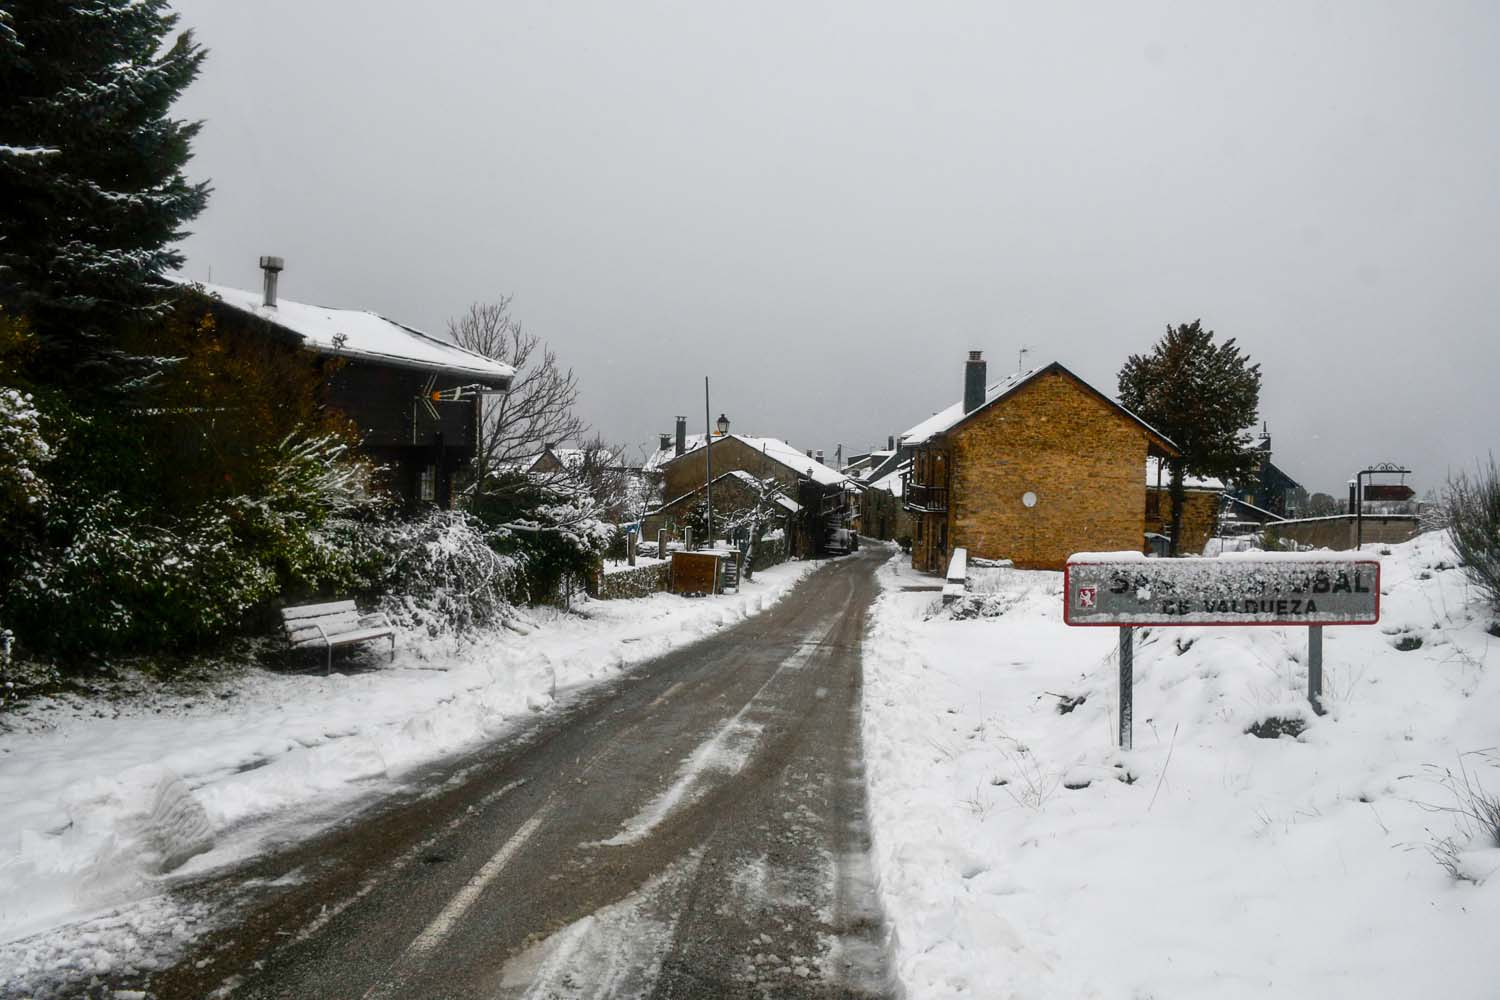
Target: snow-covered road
x: 693, y: 828
x: 109, y: 802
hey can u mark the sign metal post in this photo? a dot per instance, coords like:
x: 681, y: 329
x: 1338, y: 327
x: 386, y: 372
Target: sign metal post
x: 1315, y: 667
x: 1127, y: 685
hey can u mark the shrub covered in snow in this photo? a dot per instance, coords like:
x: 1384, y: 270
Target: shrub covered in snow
x: 113, y: 580
x: 443, y: 574
x: 23, y: 452
x: 1473, y: 508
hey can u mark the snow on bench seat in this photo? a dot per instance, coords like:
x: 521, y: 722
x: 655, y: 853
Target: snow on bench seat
x: 336, y: 623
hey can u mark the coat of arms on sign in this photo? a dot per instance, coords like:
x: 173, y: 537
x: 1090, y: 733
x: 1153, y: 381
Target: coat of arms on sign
x: 1087, y: 596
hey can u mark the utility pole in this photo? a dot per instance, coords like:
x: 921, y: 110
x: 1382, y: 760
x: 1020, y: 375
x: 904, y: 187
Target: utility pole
x: 708, y: 462
x: 1020, y: 355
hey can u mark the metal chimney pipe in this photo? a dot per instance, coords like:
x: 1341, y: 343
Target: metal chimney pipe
x: 974, y: 377
x: 681, y: 445
x: 272, y: 266
x: 890, y: 443
x: 666, y: 442
x: 818, y: 456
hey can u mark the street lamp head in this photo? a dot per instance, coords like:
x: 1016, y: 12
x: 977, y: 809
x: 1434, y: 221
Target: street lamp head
x: 723, y: 424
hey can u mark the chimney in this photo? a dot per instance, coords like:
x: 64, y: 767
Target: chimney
x: 809, y: 453
x: 974, y: 372
x: 272, y: 266
x: 818, y: 456
x: 890, y: 443
x: 681, y: 445
x: 550, y: 446
x: 666, y: 442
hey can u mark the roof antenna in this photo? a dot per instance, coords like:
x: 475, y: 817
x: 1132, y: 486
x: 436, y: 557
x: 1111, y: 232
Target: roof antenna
x: 1019, y: 356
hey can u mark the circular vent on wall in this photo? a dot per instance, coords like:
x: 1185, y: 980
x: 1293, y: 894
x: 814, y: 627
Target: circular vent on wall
x: 1028, y: 498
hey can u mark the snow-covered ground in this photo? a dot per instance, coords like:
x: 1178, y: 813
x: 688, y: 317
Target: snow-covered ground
x: 1022, y: 854
x: 105, y: 803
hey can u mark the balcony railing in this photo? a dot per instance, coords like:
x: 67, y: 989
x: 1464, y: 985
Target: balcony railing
x: 920, y: 497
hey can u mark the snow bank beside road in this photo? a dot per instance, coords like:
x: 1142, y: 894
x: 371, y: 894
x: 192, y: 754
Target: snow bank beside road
x: 97, y: 809
x: 1021, y: 854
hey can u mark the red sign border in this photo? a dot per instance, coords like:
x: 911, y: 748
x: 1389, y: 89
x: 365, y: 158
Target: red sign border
x: 1067, y: 606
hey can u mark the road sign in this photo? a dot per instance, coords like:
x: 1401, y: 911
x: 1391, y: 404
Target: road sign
x: 1386, y: 492
x: 1266, y: 589
x: 1125, y: 590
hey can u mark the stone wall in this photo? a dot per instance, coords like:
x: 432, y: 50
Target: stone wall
x: 1338, y: 532
x: 1200, y: 517
x: 1079, y: 455
x: 642, y: 581
x: 770, y: 552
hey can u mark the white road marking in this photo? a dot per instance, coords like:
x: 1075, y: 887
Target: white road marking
x: 725, y: 752
x: 442, y: 925
x: 614, y: 952
x: 666, y: 694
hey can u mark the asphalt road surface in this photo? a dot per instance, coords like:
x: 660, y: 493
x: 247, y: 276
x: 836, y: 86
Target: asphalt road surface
x: 696, y: 829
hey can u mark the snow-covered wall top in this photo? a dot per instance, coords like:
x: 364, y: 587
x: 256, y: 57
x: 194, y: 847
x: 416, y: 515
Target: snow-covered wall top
x: 1293, y: 588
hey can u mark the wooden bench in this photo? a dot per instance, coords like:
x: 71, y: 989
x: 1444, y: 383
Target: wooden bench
x: 335, y: 624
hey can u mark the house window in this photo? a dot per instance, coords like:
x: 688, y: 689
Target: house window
x: 1153, y: 504
x: 427, y: 483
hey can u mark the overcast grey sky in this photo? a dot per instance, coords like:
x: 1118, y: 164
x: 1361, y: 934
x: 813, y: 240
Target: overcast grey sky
x: 822, y: 206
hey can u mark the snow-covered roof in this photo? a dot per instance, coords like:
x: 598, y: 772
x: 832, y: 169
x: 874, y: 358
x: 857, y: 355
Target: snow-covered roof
x: 355, y: 333
x: 893, y: 482
x: 781, y: 500
x: 773, y: 448
x: 1157, y: 472
x: 946, y: 420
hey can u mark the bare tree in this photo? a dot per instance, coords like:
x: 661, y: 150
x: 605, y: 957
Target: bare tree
x: 538, y: 409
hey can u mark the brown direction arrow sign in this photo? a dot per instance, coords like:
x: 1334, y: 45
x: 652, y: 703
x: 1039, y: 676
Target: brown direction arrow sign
x: 1389, y: 491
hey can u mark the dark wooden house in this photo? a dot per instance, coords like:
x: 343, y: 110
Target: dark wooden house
x: 415, y: 398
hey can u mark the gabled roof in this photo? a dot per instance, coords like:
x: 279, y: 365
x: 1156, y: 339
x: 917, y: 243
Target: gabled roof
x: 355, y: 333
x: 946, y: 420
x: 893, y: 482
x: 781, y: 500
x: 773, y: 448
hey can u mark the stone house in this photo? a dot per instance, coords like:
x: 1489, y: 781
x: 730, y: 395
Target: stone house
x: 882, y: 513
x: 1202, y: 498
x: 822, y: 493
x: 1031, y: 468
x: 735, y: 493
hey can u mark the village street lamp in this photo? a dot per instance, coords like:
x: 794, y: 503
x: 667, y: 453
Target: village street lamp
x: 723, y: 424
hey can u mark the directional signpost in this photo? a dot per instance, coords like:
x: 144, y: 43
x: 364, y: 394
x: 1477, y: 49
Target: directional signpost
x: 1126, y: 590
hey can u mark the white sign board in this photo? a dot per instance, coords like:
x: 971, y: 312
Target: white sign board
x: 1125, y: 588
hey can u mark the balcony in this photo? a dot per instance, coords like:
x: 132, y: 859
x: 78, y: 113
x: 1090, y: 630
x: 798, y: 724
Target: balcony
x: 926, y: 499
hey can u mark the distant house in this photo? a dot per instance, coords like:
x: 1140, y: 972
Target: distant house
x: 385, y: 384
x: 1202, y: 498
x: 1270, y: 489
x: 882, y: 511
x: 1031, y: 468
x: 735, y: 492
x: 821, y: 492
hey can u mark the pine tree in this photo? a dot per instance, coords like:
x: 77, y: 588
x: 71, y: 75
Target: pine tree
x: 1202, y: 395
x: 92, y: 193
